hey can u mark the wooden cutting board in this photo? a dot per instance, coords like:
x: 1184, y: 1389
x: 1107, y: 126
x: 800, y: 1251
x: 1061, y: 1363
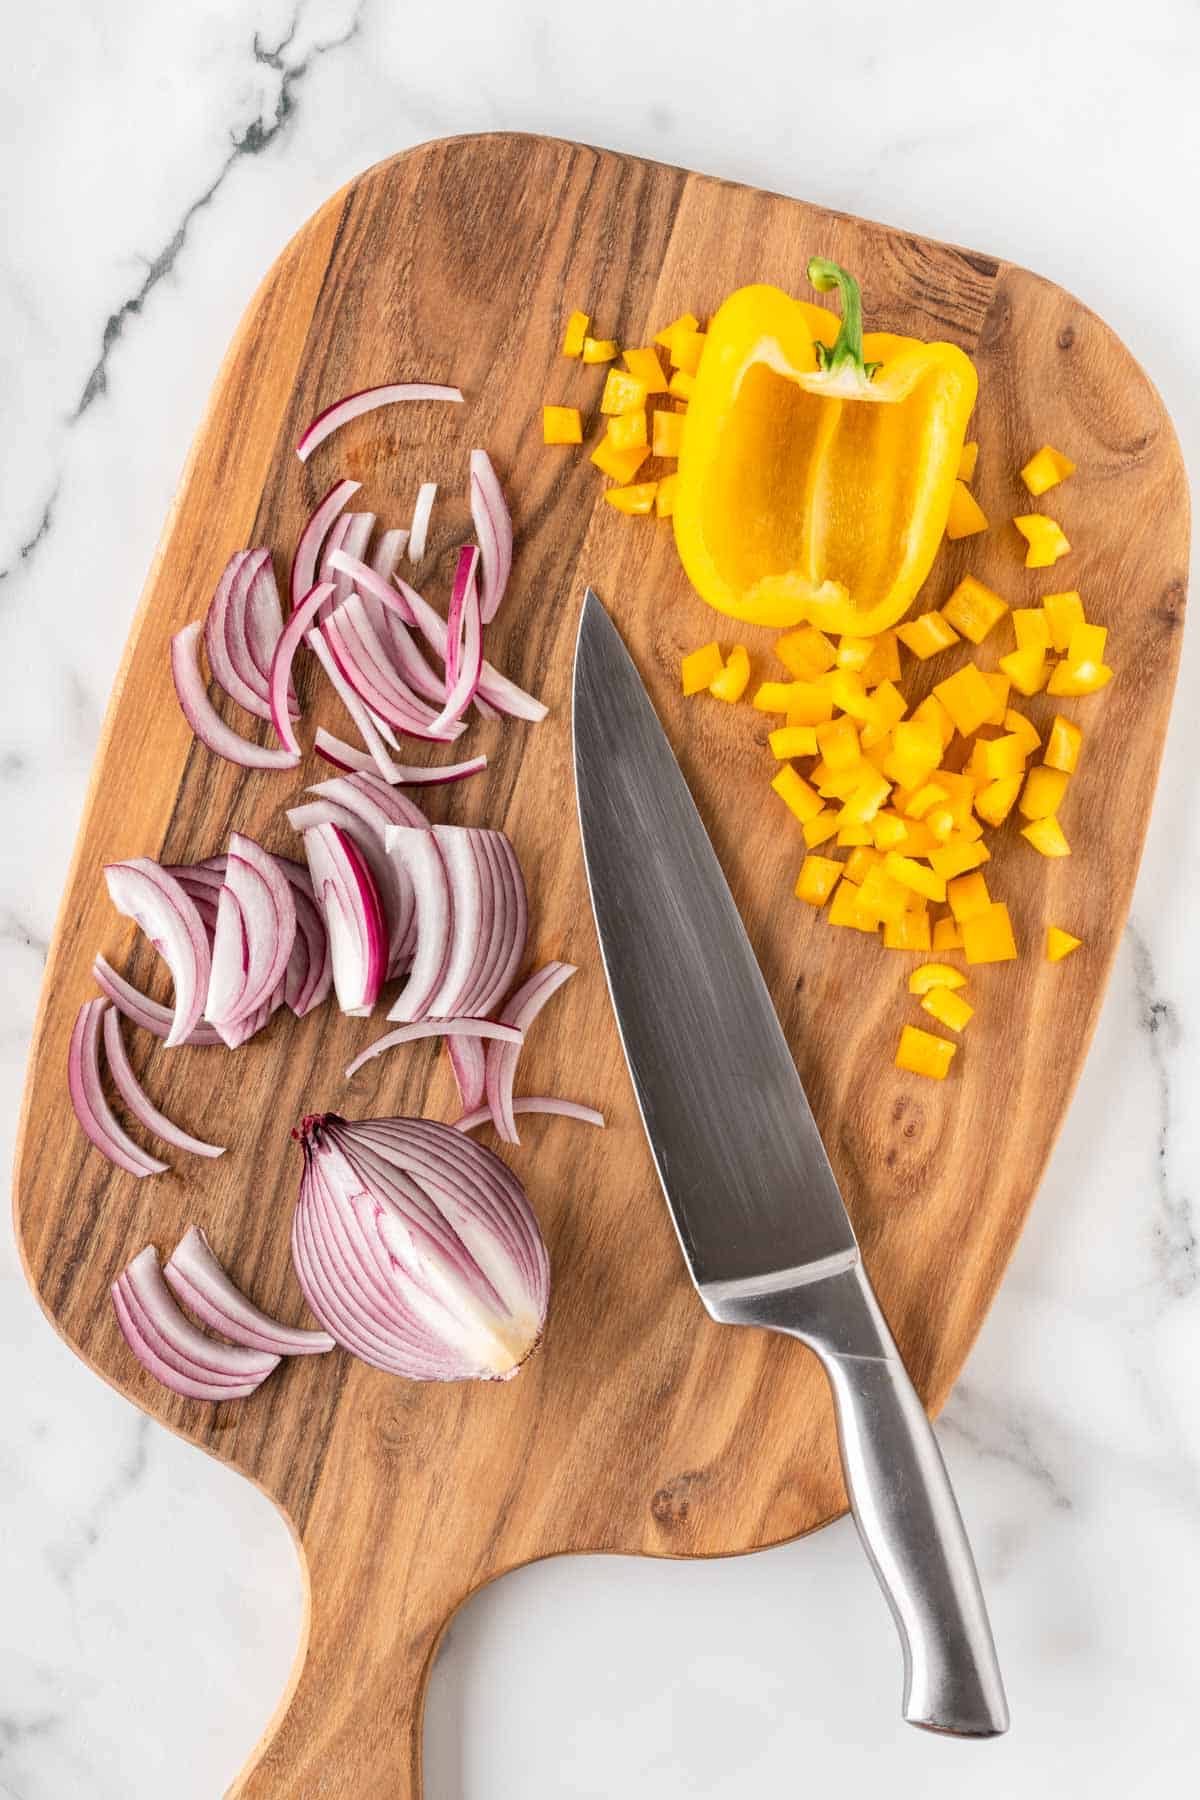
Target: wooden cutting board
x: 640, y: 1426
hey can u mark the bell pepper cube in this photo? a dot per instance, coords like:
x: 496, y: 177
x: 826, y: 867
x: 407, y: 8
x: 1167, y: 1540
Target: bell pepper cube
x: 668, y: 432
x: 805, y: 652
x: 966, y: 515
x: 1045, y: 470
x: 948, y: 1008
x: 1063, y: 612
x: 774, y: 696
x: 561, y: 425
x: 793, y: 740
x: 664, y: 500
x: 914, y: 875
x: 968, y: 895
x: 635, y: 500
x: 967, y: 460
x: 646, y: 368
x: 883, y: 664
x: 575, y: 333
x: 853, y: 837
x: 599, y: 350
x: 1032, y: 627
x: 933, y: 975
x: 796, y: 794
x: 700, y: 667
x: 837, y: 784
x: 1001, y: 686
x: 1060, y: 943
x: 932, y: 710
x: 808, y: 703
x: 1045, y: 537
x: 994, y: 802
x: 923, y: 1053
x: 949, y: 860
x: 916, y: 752
x: 909, y: 933
x: 846, y: 909
x: 887, y: 831
x: 876, y: 753
x: 988, y: 936
x: 888, y: 707
x: 854, y: 653
x: 734, y: 678
x: 859, y: 862
x: 1043, y: 792
x: 685, y: 322
x: 685, y: 350
x: 837, y: 740
x: 969, y: 829
x: 850, y: 693
x: 927, y: 635
x: 622, y: 392
x: 681, y: 385
x: 1004, y: 756
x: 821, y: 829
x: 818, y: 877
x: 866, y: 799
x: 621, y: 465
x: 941, y: 824
x: 1063, y: 745
x: 967, y: 697
x: 973, y: 609
x: 946, y: 935
x: 1086, y: 643
x: 884, y: 898
x: 1072, y: 680
x: 1024, y: 729
x: 1047, y: 836
x: 926, y: 797
x: 1026, y: 669
x: 627, y: 431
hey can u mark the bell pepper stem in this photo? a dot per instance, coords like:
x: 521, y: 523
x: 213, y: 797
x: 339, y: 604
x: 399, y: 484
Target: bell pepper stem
x: 847, y: 349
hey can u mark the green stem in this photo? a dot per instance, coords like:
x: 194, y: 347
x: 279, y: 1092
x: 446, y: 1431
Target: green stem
x: 848, y: 346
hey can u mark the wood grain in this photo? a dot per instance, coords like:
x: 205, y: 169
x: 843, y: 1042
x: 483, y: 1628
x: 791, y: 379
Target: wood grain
x: 641, y: 1426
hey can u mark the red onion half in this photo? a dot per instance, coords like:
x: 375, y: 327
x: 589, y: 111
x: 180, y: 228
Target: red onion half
x: 199, y: 1280
x: 156, y: 901
x: 417, y: 1249
x: 95, y: 1116
x: 353, y: 406
x: 171, y: 1348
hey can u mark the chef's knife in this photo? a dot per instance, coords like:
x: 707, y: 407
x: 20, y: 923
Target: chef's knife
x: 762, y: 1224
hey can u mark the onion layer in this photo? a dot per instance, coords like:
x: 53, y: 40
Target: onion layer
x: 171, y: 1348
x: 353, y: 406
x: 199, y: 1280
x: 95, y: 1116
x: 203, y: 717
x: 520, y: 1010
x: 534, y: 1103
x: 158, y: 903
x: 354, y: 923
x: 136, y: 1098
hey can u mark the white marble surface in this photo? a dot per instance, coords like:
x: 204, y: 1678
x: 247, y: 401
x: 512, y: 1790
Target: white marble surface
x: 154, y: 159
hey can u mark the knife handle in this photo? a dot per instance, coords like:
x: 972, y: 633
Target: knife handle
x: 902, y: 1501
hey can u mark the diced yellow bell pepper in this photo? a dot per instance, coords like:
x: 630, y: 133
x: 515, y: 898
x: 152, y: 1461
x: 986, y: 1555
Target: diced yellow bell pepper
x: 967, y: 462
x: 994, y: 802
x: 1046, y: 539
x: 1060, y: 943
x: 887, y: 831
x: 846, y: 909
x: 927, y: 635
x: 686, y: 347
x: 838, y: 743
x: 634, y: 500
x: 888, y: 707
x: 966, y: 515
x: 775, y: 696
x: 622, y: 392
x: 1045, y: 470
x: 882, y: 667
x: 575, y: 333
x: 949, y: 860
x: 988, y: 936
x: 854, y: 653
x: 668, y: 432
x: 967, y: 697
x: 734, y: 678
x: 1023, y: 728
x: 1073, y: 680
x: 876, y: 753
x: 928, y: 795
x: 934, y: 975
x: 946, y: 935
x: 685, y: 322
x: 1063, y: 612
x: 882, y: 896
x: 1032, y: 627
x: 933, y: 712
x: 1004, y: 756
x: 941, y: 824
x: 968, y: 895
x: 561, y: 425
x: 818, y: 877
x: 947, y: 1008
x: 808, y: 703
x: 923, y: 1053
x: 1026, y: 669
x: 664, y: 500
x: 849, y: 693
x: 858, y: 863
x: 854, y: 837
x: 1043, y: 792
x: 646, y: 368
x: 1047, y: 836
x: 806, y: 652
x: 1063, y: 745
x: 599, y: 350
x: 627, y: 431
x: 1001, y: 686
x: 909, y: 933
x: 821, y: 829
x: 914, y: 875
x: 973, y: 609
x: 793, y: 740
x: 681, y: 385
x: 916, y: 752
x: 867, y: 798
x: 700, y: 667
x: 1086, y: 643
x: 970, y: 831
x: 837, y: 784
x: 796, y: 794
x: 622, y: 465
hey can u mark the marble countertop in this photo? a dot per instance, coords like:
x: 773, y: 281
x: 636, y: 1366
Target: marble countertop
x: 155, y: 159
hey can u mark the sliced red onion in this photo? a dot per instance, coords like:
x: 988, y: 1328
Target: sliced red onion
x: 264, y: 622
x: 203, y: 717
x: 493, y: 528
x: 464, y: 636
x: 489, y: 920
x: 496, y: 689
x: 361, y: 715
x: 367, y: 666
x: 521, y: 1010
x: 417, y: 1249
x: 308, y: 550
x: 354, y: 923
x: 158, y: 904
x: 534, y: 1103
x: 241, y: 629
x: 95, y: 1116
x: 171, y: 1348
x: 139, y: 1009
x: 424, y: 1028
x: 469, y: 1064
x: 422, y: 513
x: 392, y: 613
x: 344, y: 756
x: 136, y: 1098
x: 388, y: 551
x: 420, y: 855
x: 256, y: 928
x: 353, y: 406
x: 279, y: 686
x: 364, y: 820
x: 201, y: 1283
x: 220, y: 639
x: 309, y: 974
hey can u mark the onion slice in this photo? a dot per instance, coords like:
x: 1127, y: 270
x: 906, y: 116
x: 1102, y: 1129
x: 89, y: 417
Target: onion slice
x: 199, y: 1280
x: 464, y: 638
x: 139, y: 1009
x: 354, y: 923
x: 309, y: 975
x: 493, y: 528
x: 494, y: 687
x: 156, y: 901
x: 256, y: 928
x: 95, y: 1116
x: 308, y: 550
x: 534, y: 1103
x: 281, y: 666
x: 422, y: 513
x: 469, y: 1064
x: 420, y: 855
x: 353, y: 406
x: 171, y: 1348
x: 520, y: 1010
x: 424, y: 1028
x: 136, y: 1098
x: 203, y: 717
x: 344, y: 756
x: 361, y: 714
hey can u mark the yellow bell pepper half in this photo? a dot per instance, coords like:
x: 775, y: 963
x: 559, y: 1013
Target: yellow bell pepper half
x: 818, y: 466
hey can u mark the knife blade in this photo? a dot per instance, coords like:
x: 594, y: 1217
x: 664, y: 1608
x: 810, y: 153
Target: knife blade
x: 756, y: 1206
